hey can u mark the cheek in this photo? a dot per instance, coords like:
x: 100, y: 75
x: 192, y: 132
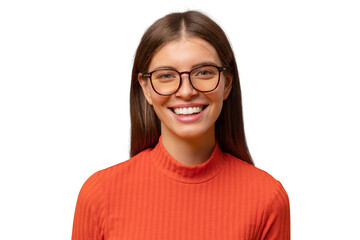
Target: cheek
x: 217, y: 97
x: 158, y: 102
x: 217, y: 101
x: 219, y: 92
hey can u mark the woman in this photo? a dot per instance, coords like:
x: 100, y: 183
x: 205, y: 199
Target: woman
x: 191, y: 175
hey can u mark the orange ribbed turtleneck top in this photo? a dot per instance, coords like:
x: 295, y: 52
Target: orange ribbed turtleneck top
x: 152, y: 196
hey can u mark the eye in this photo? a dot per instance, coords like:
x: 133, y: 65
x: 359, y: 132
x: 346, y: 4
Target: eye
x: 203, y: 72
x: 165, y: 76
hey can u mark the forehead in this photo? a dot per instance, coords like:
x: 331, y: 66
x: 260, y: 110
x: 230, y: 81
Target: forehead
x: 184, y: 54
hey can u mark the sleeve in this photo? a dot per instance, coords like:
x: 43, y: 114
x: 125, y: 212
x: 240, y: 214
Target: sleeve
x: 276, y: 218
x: 89, y: 212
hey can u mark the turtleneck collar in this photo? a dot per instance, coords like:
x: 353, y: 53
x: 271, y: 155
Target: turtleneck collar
x: 187, y: 173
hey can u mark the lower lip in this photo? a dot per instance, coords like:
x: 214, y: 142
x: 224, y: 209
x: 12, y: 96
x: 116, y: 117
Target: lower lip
x: 188, y: 119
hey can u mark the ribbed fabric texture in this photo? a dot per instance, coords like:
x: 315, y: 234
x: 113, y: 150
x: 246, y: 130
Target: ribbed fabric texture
x: 152, y: 196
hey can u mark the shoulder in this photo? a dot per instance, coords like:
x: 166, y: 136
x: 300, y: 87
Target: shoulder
x: 251, y: 177
x: 247, y: 170
x: 102, y: 179
x: 124, y: 168
x: 265, y: 193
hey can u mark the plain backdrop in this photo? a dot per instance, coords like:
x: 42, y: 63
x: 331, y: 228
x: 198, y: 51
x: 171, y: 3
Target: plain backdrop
x: 65, y: 71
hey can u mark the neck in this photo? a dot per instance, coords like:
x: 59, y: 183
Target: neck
x: 189, y: 151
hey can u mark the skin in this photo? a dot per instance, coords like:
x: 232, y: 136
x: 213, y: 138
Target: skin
x: 190, y: 143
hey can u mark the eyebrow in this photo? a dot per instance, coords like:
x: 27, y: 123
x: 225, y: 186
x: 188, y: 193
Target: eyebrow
x: 204, y: 63
x: 193, y: 66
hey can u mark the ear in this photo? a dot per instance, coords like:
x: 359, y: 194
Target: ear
x: 145, y: 85
x: 228, y: 85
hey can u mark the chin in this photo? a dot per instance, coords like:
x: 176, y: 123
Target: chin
x: 192, y: 134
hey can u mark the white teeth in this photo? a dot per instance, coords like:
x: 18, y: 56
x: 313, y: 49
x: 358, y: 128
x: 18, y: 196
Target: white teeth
x: 187, y: 111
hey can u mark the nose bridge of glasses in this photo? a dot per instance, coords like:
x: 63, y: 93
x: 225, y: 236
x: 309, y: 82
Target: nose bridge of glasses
x: 185, y: 72
x: 189, y: 83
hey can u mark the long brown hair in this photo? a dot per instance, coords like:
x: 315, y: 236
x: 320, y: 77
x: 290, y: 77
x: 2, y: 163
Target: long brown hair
x: 145, y: 125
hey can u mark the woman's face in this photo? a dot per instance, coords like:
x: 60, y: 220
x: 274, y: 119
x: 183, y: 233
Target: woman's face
x: 183, y: 55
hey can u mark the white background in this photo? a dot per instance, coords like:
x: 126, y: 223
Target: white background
x: 65, y: 71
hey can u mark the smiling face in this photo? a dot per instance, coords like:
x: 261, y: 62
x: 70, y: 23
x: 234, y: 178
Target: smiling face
x: 187, y: 113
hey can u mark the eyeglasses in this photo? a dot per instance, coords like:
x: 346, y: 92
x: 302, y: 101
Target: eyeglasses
x: 166, y: 81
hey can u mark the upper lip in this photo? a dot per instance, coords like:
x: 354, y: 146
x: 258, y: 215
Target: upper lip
x: 187, y: 105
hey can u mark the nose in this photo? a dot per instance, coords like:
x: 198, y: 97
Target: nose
x: 186, y: 90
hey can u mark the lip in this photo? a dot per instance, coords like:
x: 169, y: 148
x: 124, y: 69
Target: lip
x: 187, y: 105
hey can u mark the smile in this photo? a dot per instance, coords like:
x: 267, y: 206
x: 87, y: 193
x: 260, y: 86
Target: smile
x: 187, y: 111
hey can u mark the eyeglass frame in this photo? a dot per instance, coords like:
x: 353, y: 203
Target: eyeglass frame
x: 220, y: 69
